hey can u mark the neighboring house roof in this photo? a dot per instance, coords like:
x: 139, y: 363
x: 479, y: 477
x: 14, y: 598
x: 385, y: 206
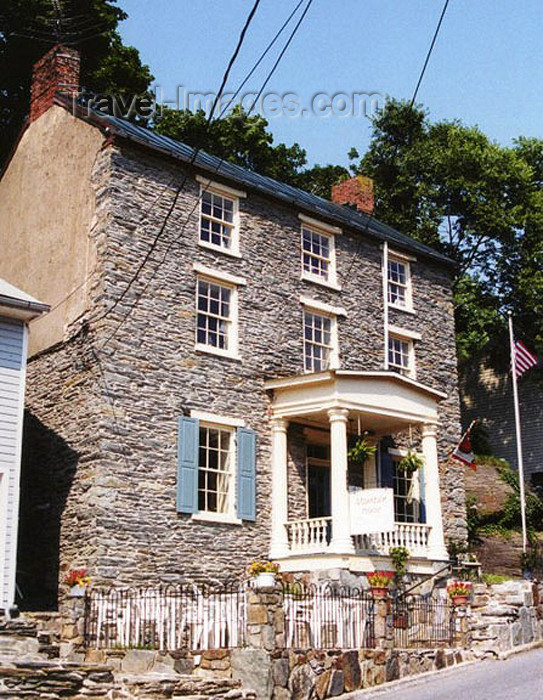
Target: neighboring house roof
x: 15, y: 302
x: 251, y: 180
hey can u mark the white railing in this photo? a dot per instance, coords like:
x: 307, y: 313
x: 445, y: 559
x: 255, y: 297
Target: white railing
x: 414, y: 536
x: 311, y: 535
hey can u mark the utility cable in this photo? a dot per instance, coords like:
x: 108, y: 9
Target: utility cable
x: 196, y: 204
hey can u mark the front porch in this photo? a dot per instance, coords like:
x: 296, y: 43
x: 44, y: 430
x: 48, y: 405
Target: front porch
x: 352, y: 515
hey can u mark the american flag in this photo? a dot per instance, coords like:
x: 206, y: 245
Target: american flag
x: 524, y: 359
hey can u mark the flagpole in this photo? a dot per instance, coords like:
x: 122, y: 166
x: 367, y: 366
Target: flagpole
x: 518, y: 433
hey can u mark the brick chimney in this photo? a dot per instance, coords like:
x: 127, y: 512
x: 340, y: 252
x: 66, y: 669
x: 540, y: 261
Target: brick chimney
x: 56, y: 71
x: 358, y: 192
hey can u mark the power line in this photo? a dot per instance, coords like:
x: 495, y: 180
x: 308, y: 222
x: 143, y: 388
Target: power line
x: 434, y: 39
x: 192, y: 159
x: 411, y: 103
x: 176, y: 239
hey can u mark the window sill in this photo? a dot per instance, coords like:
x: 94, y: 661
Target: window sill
x: 321, y: 282
x: 218, y: 249
x: 405, y: 309
x: 223, y: 518
x: 402, y: 371
x: 209, y: 350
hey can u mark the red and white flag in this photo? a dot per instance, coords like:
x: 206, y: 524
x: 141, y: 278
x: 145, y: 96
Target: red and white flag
x: 524, y: 359
x: 463, y: 452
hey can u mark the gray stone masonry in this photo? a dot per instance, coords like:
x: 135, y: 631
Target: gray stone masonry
x: 107, y: 494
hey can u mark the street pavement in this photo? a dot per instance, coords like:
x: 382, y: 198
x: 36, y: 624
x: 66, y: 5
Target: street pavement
x: 520, y: 677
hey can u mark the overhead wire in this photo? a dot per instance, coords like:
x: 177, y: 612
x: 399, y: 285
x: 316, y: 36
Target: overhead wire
x: 411, y: 103
x: 144, y: 216
x: 183, y: 182
x: 187, y: 219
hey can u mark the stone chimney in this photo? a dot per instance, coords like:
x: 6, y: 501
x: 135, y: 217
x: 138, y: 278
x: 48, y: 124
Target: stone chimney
x: 358, y: 192
x: 56, y: 71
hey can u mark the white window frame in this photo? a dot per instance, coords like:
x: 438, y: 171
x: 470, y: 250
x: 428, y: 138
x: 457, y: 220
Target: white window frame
x: 404, y: 260
x: 330, y: 233
x: 231, y: 282
x: 230, y: 425
x: 325, y: 311
x: 220, y: 190
x: 404, y: 337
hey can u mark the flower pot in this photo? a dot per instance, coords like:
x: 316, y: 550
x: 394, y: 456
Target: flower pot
x: 265, y: 580
x: 379, y: 592
x: 77, y: 591
x: 400, y: 621
x: 460, y: 599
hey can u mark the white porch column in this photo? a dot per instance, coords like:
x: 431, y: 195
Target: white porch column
x: 342, y: 542
x: 436, y: 543
x: 279, y: 540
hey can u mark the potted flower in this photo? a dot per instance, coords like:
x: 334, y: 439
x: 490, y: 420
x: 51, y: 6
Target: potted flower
x: 379, y: 582
x: 263, y: 572
x: 459, y: 591
x: 361, y: 451
x: 77, y: 580
x: 410, y: 463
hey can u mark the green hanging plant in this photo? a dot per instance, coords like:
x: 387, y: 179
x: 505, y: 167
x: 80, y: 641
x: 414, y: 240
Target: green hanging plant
x: 361, y: 451
x: 410, y: 463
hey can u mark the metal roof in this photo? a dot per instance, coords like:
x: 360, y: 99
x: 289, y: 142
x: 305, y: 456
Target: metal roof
x: 13, y: 298
x: 214, y: 166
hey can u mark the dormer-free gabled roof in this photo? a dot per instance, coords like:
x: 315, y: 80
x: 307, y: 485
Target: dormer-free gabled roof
x: 250, y: 180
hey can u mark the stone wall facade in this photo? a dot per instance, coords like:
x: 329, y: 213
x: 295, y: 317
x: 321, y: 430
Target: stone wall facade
x: 113, y: 397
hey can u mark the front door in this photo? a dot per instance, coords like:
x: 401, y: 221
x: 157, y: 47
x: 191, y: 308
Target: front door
x: 318, y: 481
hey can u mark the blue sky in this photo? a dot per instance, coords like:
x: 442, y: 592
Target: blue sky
x: 486, y: 68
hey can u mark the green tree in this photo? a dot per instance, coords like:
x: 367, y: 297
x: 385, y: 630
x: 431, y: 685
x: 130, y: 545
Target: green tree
x: 239, y: 138
x: 451, y: 187
x: 29, y: 28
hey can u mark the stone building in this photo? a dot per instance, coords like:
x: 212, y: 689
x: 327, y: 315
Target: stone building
x: 216, y: 341
x: 487, y: 396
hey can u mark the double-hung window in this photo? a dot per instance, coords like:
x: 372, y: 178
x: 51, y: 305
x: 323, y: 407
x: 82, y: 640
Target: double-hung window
x: 401, y: 355
x: 214, y: 324
x: 399, y: 283
x: 318, y: 252
x: 217, y: 311
x: 318, y: 346
x: 215, y: 468
x: 320, y: 335
x: 219, y: 217
x: 216, y: 472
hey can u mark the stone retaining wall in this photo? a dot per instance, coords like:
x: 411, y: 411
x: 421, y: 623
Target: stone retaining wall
x: 505, y: 616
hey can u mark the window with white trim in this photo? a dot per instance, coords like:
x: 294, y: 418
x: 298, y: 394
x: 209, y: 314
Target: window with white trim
x: 216, y: 316
x: 399, y: 283
x: 216, y: 460
x: 319, y: 341
x: 219, y: 221
x: 318, y: 256
x: 401, y: 354
x: 406, y: 507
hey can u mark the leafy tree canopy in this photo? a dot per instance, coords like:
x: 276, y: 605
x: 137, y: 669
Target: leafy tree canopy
x: 245, y: 140
x: 448, y: 185
x: 29, y: 28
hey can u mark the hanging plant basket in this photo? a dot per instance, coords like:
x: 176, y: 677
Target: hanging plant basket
x: 410, y: 463
x: 361, y: 451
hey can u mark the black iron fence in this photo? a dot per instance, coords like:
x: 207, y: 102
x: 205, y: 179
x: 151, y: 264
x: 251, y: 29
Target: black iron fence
x: 422, y: 622
x: 186, y: 616
x: 328, y: 617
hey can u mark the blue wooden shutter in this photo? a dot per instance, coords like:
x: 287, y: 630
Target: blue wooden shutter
x: 246, y: 509
x: 422, y: 505
x: 387, y: 470
x: 187, y: 465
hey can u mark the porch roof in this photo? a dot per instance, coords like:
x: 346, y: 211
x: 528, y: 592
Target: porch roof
x: 383, y: 400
